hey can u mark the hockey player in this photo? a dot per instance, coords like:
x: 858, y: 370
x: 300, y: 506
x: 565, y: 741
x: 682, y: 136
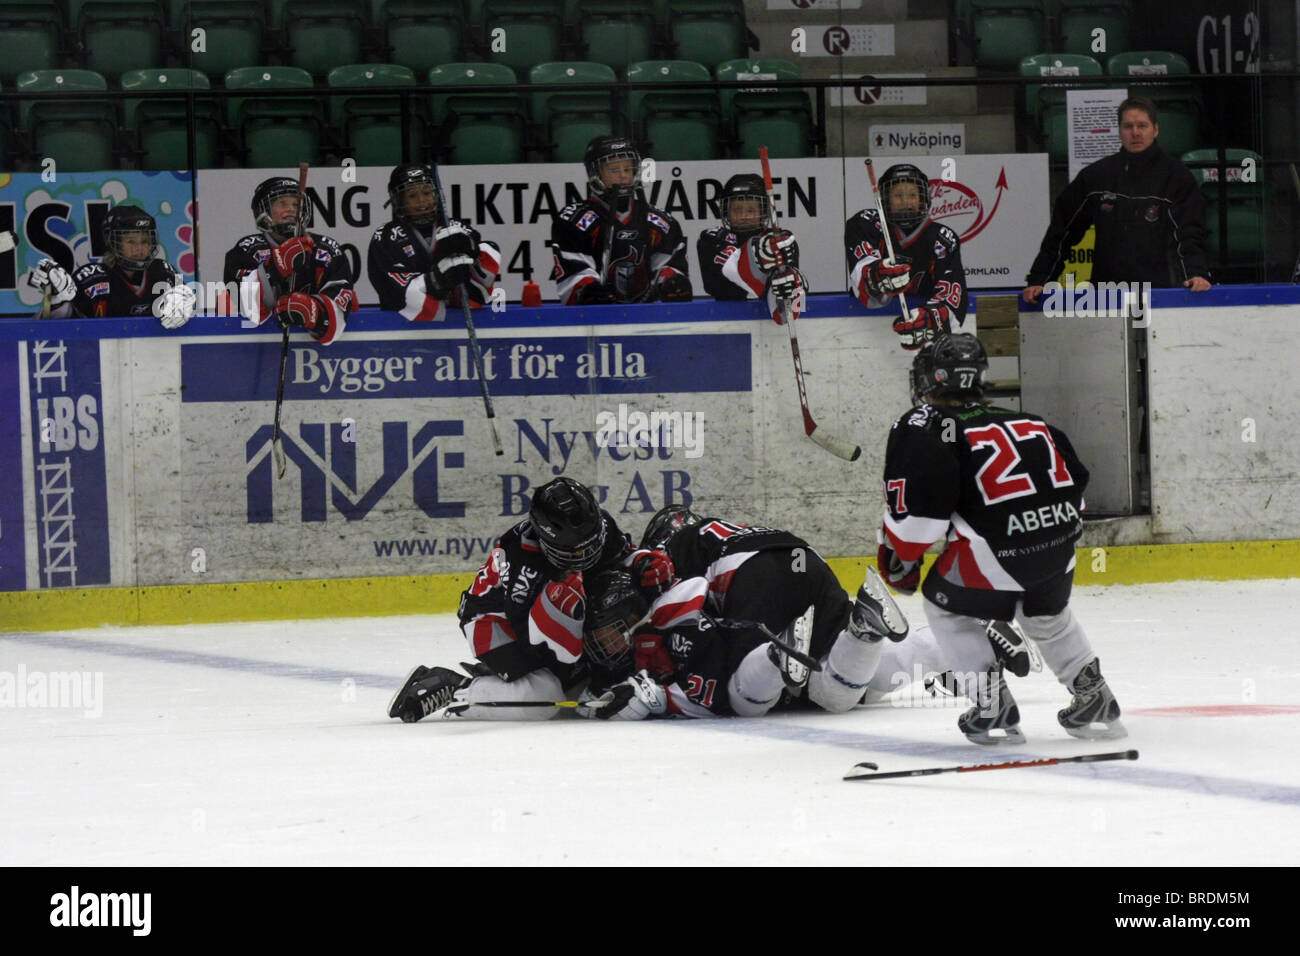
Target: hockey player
x: 417, y: 262
x: 746, y: 256
x: 523, y: 614
x: 1006, y: 489
x: 614, y: 246
x: 926, y: 263
x: 133, y: 279
x: 283, y: 270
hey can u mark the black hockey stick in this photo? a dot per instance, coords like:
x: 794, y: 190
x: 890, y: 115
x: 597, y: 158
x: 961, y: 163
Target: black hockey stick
x: 972, y: 767
x: 469, y: 319
x: 277, y: 447
x: 1295, y: 181
x: 836, y: 446
x: 458, y: 708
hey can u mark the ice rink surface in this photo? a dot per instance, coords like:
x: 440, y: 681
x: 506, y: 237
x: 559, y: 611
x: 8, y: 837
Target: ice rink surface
x: 267, y: 743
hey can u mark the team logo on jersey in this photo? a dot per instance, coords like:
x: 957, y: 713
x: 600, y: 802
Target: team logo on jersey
x: 586, y: 220
x: 656, y: 221
x: 521, y: 591
x: 409, y: 250
x: 1152, y: 213
x: 940, y: 250
x: 626, y: 234
x: 323, y: 255
x: 402, y: 278
x: 99, y: 288
x: 261, y: 255
x: 680, y: 645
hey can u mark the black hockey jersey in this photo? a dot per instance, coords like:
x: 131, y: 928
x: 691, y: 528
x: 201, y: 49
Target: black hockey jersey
x: 935, y: 254
x: 103, y: 292
x: 397, y: 262
x: 1005, y: 488
x: 328, y: 274
x: 505, y: 603
x: 631, y: 255
x: 715, y: 548
x: 717, y: 249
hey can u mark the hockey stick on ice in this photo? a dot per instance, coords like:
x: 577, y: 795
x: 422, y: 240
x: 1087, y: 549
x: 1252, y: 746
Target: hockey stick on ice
x: 469, y: 327
x: 972, y: 767
x: 889, y: 242
x: 836, y: 446
x: 277, y: 446
x: 458, y: 708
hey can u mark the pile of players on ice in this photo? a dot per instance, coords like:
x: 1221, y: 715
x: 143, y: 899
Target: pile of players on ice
x: 710, y: 617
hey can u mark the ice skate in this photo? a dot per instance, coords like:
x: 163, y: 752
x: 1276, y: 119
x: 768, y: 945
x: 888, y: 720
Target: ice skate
x: 875, y: 615
x: 1093, y: 713
x: 1012, y: 650
x: 426, y: 689
x: 995, y: 718
x: 799, y: 636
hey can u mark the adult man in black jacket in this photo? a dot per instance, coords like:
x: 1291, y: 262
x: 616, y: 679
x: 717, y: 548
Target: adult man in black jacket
x: 1149, y: 214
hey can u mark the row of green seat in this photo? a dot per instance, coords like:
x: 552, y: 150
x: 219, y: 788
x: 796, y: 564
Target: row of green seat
x: 1003, y: 32
x: 1145, y: 72
x: 497, y: 127
x: 114, y: 36
x: 1246, y: 199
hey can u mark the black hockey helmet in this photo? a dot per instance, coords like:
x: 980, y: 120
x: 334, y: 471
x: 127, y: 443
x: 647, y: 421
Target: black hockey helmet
x: 746, y: 186
x: 600, y: 151
x: 124, y: 221
x: 568, y: 524
x: 614, y: 608
x: 952, y: 366
x: 413, y: 185
x: 905, y: 220
x: 267, y: 192
x: 666, y: 523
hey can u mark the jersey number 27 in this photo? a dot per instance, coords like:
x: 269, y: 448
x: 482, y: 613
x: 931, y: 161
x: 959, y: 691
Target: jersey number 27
x: 995, y: 480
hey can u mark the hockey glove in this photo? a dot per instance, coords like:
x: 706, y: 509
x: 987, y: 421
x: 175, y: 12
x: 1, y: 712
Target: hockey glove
x: 675, y: 288
x: 652, y: 569
x: 636, y: 698
x: 291, y: 254
x: 456, y: 239
x: 650, y: 655
x: 903, y: 576
x: 593, y: 293
x: 175, y: 306
x: 50, y: 275
x: 786, y: 286
x: 776, y: 248
x: 307, y: 311
x: 568, y: 596
x: 886, y: 277
x: 927, y: 323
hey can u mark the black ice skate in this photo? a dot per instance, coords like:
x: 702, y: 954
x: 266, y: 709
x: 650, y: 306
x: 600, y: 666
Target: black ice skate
x: 426, y: 689
x: 1093, y: 713
x: 1012, y: 650
x: 995, y: 718
x: 875, y: 615
x: 799, y: 636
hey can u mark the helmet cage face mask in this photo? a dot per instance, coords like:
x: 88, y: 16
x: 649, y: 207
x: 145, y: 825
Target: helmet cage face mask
x: 418, y: 181
x: 610, y: 643
x: 577, y: 558
x: 665, y: 523
x: 729, y: 212
x: 264, y: 203
x: 116, y: 233
x: 597, y: 164
x: 905, y: 220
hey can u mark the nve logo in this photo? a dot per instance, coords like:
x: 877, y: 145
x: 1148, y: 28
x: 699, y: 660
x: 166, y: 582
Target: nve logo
x: 326, y: 457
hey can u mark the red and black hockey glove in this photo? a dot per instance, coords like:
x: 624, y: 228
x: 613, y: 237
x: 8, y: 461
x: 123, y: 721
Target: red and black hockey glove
x: 289, y: 256
x: 652, y: 569
x: 886, y: 277
x: 650, y: 655
x: 567, y: 595
x: 928, y: 322
x: 675, y: 288
x: 903, y: 576
x: 776, y: 248
x: 593, y: 293
x: 787, y: 286
x: 306, y: 311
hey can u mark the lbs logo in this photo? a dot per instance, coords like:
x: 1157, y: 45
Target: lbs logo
x: 326, y: 458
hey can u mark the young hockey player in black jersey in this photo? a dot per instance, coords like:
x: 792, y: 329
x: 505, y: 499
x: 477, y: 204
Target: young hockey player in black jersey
x: 1006, y: 490
x: 614, y: 246
x: 523, y: 614
x: 927, y: 258
x: 303, y: 280
x: 133, y: 279
x: 745, y: 255
x: 417, y: 262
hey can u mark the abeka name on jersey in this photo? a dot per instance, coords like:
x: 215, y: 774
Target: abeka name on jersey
x: 1047, y: 516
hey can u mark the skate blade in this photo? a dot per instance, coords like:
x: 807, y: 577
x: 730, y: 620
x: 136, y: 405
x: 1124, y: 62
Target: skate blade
x: 889, y: 620
x: 1099, y: 731
x: 393, y: 710
x: 1009, y: 736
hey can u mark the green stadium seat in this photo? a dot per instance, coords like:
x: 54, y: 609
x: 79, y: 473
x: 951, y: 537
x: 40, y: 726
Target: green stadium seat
x: 1079, y: 18
x: 1180, y: 105
x: 780, y: 120
x: 276, y: 131
x: 119, y: 35
x: 532, y: 31
x: 1006, y: 31
x: 615, y: 32
x: 674, y: 126
x: 29, y: 37
x: 708, y: 31
x: 571, y: 120
x: 233, y: 33
x: 162, y: 126
x: 321, y: 34
x: 372, y: 125
x: 489, y: 127
x: 1246, y: 204
x: 418, y: 35
x: 78, y: 135
x: 1046, y: 103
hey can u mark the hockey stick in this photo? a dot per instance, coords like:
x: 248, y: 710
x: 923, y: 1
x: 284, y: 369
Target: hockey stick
x: 277, y: 447
x: 458, y: 708
x: 836, y: 446
x: 469, y: 327
x: 972, y: 767
x: 1295, y: 181
x: 889, y: 242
